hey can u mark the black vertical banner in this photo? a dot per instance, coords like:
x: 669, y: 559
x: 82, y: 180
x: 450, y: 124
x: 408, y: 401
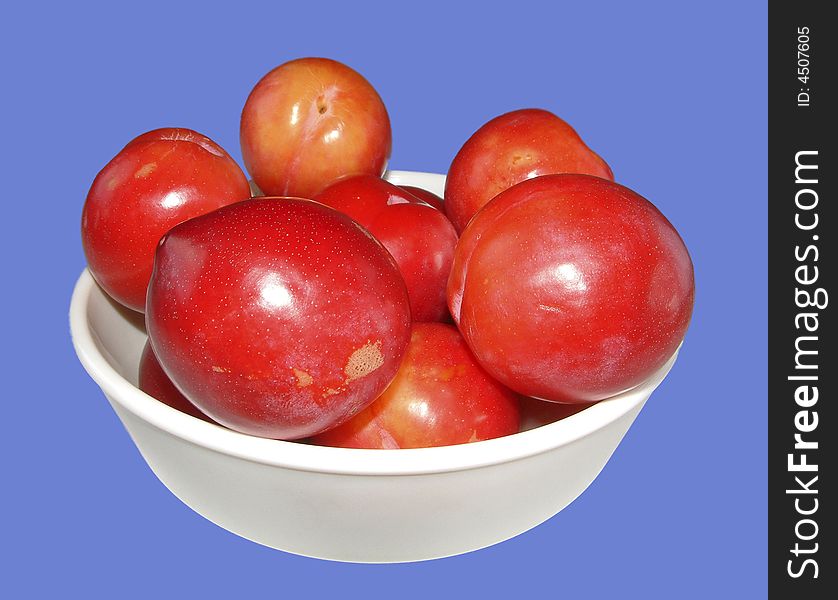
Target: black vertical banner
x: 802, y: 265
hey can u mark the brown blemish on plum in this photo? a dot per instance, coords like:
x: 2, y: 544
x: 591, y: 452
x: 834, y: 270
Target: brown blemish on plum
x: 330, y: 392
x: 145, y: 170
x: 303, y: 378
x: 322, y: 107
x: 363, y: 361
x: 220, y: 369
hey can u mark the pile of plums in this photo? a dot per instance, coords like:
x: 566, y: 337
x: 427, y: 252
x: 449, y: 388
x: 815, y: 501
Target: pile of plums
x: 327, y: 304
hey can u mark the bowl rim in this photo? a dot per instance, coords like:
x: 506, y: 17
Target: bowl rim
x: 344, y: 461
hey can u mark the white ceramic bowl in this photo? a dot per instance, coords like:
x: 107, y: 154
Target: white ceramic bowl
x: 347, y: 504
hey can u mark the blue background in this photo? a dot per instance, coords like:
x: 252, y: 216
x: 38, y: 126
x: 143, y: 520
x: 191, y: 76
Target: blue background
x: 674, y: 97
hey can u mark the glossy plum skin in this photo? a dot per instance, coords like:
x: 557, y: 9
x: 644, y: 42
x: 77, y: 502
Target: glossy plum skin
x: 571, y: 288
x: 515, y: 146
x: 420, y: 238
x: 440, y: 397
x: 310, y: 121
x: 154, y: 382
x: 158, y: 180
x: 277, y: 317
x: 425, y: 196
